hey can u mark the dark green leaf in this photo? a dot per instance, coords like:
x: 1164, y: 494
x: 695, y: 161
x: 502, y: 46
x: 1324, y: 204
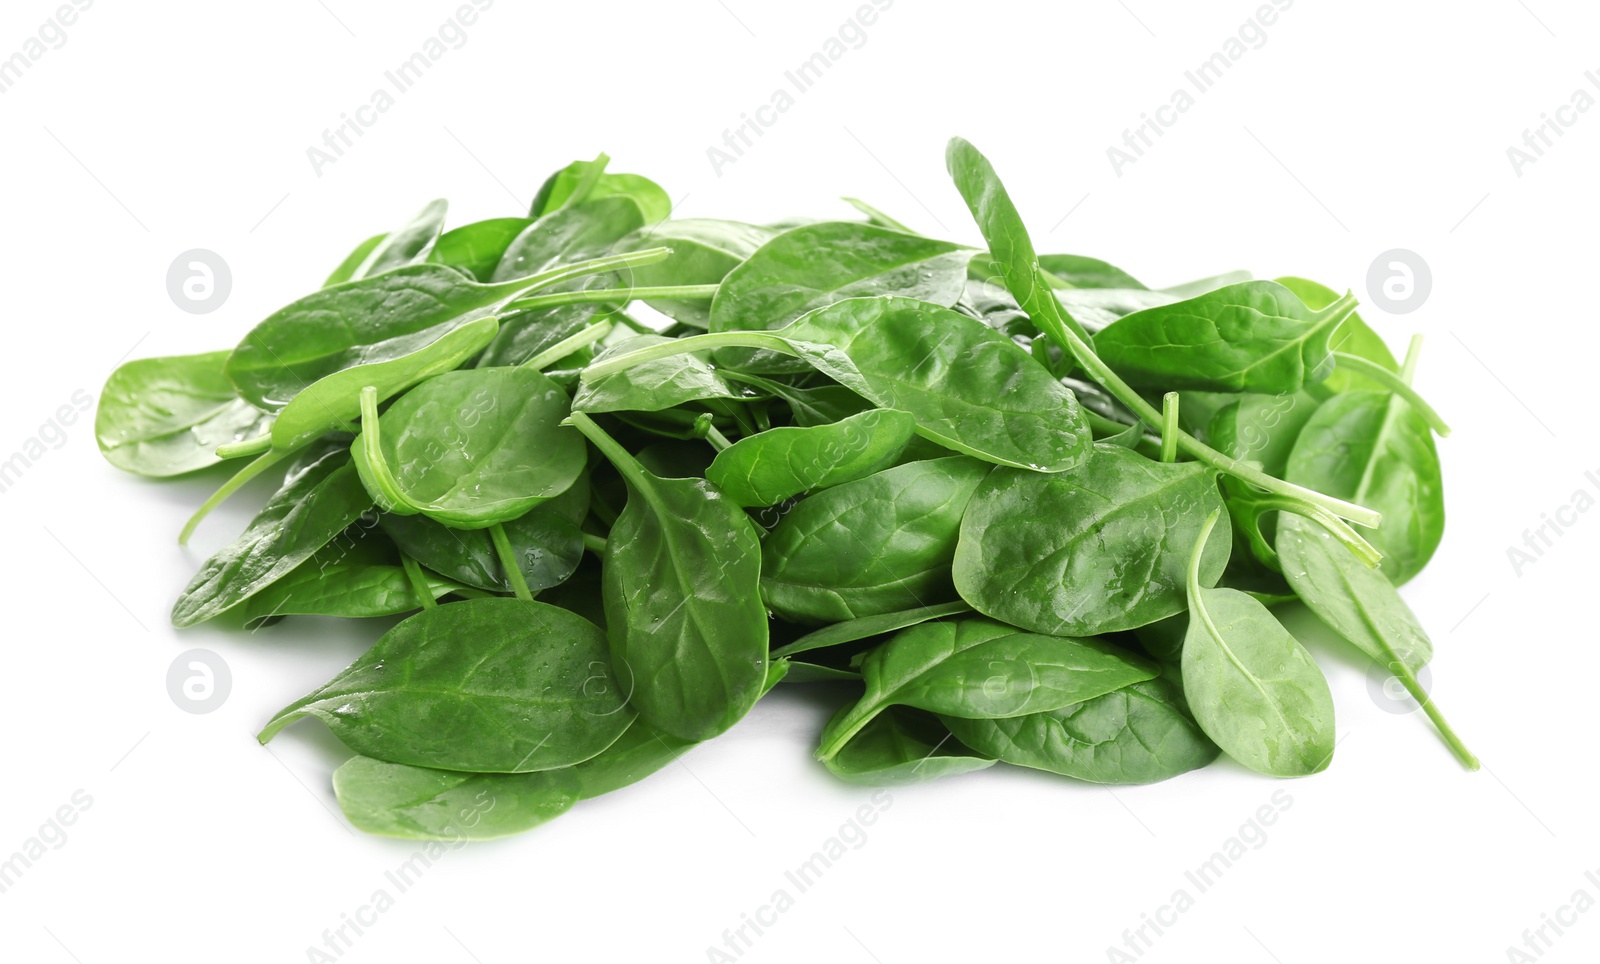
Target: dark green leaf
x: 772, y: 466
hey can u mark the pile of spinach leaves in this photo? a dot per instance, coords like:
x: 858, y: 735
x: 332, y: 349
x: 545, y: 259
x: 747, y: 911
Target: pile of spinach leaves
x: 623, y: 474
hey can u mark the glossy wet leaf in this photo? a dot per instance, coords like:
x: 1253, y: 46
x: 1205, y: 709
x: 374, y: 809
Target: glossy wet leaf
x: 1112, y: 556
x: 320, y: 496
x: 976, y: 668
x: 900, y: 747
x: 477, y: 248
x: 161, y: 417
x: 358, y: 575
x: 1252, y: 687
x: 865, y: 627
x: 970, y: 388
x: 334, y: 401
x: 353, y: 261
x: 356, y: 323
x: 654, y: 385
x: 681, y: 586
x: 769, y: 467
x: 473, y: 448
x: 880, y: 544
x: 547, y: 541
x: 407, y: 244
x: 1372, y: 448
x: 650, y: 197
x: 1359, y: 603
x: 576, y: 233
x: 1137, y: 734
x: 486, y: 686
x: 1085, y: 272
x: 1354, y: 337
x: 1255, y: 336
x: 417, y: 803
x: 820, y: 264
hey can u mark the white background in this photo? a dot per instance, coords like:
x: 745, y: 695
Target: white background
x: 1358, y: 127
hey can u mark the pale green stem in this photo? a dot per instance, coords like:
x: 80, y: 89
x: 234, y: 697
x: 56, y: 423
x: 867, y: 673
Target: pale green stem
x: 244, y: 475
x: 613, y: 296
x: 508, y: 562
x: 1169, y: 427
x: 419, y: 582
x: 594, y: 544
x: 567, y: 346
x: 1398, y: 384
x: 252, y: 446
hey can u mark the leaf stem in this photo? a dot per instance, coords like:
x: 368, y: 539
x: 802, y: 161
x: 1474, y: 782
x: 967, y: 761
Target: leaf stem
x: 618, y: 296
x: 244, y: 475
x: 1169, y: 427
x: 594, y: 544
x: 377, y: 463
x: 508, y: 562
x: 567, y: 346
x: 1402, y: 672
x: 678, y: 346
x: 1336, y: 527
x: 419, y: 582
x: 1398, y: 384
x: 579, y: 269
x: 1198, y: 553
x: 252, y: 446
x: 1113, y: 383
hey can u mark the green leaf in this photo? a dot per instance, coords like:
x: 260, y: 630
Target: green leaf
x: 576, y: 233
x: 1354, y: 337
x: 1082, y: 272
x: 477, y: 248
x: 407, y: 244
x: 1374, y: 449
x: 900, y: 747
x: 1250, y: 337
x: 865, y: 627
x: 486, y: 686
x: 817, y: 265
x: 876, y: 545
x: 1137, y: 734
x: 1251, y: 686
x: 653, y: 386
x: 557, y: 191
x: 161, y: 417
x: 976, y: 668
x: 1112, y: 556
x: 681, y: 581
x: 417, y: 803
x: 320, y: 496
x: 357, y: 576
x: 703, y: 252
x: 353, y: 261
x: 771, y: 466
x: 471, y: 448
x: 987, y: 398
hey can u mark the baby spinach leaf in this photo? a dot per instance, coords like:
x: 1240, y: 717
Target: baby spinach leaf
x: 1081, y: 272
x: 353, y: 261
x: 876, y: 545
x: 681, y: 581
x: 1113, y: 556
x: 471, y: 448
x: 703, y: 252
x: 1375, y: 449
x: 320, y: 496
x: 417, y: 803
x: 161, y: 417
x: 546, y: 539
x: 821, y: 264
x: 970, y: 388
x: 334, y: 400
x: 1137, y: 734
x: 653, y: 386
x: 865, y: 627
x: 976, y: 668
x: 407, y: 244
x: 575, y: 233
x: 901, y: 746
x: 477, y: 248
x: 1250, y: 337
x: 769, y: 467
x: 1251, y: 686
x: 486, y: 686
x: 557, y: 191
x: 356, y: 576
x: 817, y: 405
x: 1355, y: 337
